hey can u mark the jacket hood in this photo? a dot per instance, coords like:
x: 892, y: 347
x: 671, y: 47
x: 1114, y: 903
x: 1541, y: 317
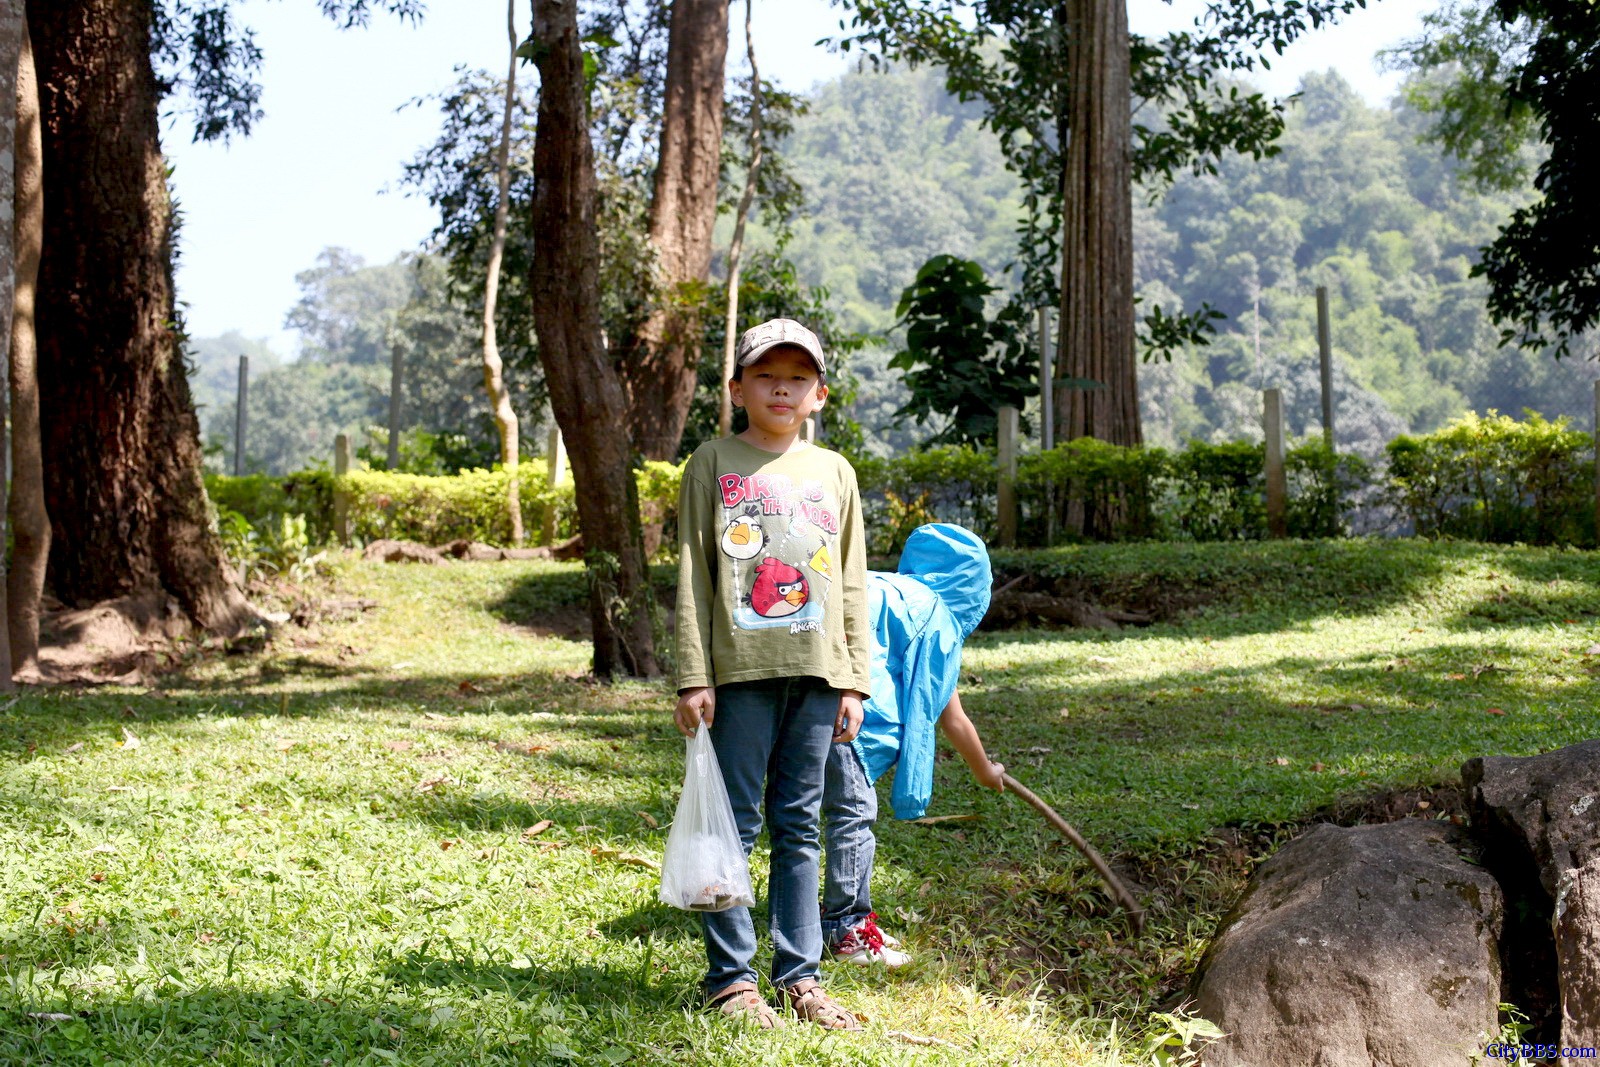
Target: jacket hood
x: 953, y: 562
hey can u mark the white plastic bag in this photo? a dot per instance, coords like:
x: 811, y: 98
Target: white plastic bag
x: 704, y: 868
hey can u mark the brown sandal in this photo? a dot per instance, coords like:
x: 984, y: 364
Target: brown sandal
x: 807, y: 1000
x: 742, y: 1000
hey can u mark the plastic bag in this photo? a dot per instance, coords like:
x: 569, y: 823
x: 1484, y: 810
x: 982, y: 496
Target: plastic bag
x: 704, y: 868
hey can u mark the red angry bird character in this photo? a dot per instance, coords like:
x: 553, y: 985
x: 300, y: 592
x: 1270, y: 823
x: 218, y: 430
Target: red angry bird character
x: 779, y: 590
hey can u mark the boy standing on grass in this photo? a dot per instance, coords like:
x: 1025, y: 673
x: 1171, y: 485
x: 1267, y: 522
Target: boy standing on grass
x: 773, y: 648
x: 921, y: 616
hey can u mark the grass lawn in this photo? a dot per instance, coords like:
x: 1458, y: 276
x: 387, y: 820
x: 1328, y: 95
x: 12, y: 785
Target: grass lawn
x: 326, y: 852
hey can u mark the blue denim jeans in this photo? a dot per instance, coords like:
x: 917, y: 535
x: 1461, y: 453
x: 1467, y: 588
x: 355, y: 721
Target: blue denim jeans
x: 849, y: 812
x: 772, y: 739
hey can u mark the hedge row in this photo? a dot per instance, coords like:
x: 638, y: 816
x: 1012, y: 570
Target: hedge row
x: 432, y: 509
x: 1486, y: 478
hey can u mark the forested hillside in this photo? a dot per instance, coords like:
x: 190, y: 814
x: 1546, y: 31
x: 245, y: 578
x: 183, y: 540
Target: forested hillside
x: 895, y: 171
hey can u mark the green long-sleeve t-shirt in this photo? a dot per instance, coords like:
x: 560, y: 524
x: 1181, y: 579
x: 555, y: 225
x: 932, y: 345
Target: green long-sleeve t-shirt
x: 772, y: 574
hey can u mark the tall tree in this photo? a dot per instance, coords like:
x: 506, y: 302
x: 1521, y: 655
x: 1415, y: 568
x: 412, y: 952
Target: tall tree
x: 661, y: 371
x: 13, y: 27
x: 742, y: 213
x: 123, y: 485
x: 1059, y: 81
x: 30, y: 525
x: 586, y: 392
x: 493, y: 380
x: 1097, y: 343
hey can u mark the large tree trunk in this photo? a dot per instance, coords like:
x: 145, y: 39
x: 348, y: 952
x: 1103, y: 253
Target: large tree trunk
x: 663, y: 369
x: 126, y: 502
x: 505, y: 419
x: 585, y: 392
x: 1100, y: 397
x: 30, y: 525
x: 12, y: 25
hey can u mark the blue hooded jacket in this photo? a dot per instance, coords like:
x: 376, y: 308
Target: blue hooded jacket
x: 920, y: 618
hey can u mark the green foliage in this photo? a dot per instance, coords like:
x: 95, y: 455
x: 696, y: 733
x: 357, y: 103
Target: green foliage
x: 1220, y: 491
x: 1177, y: 1038
x: 1492, y: 478
x: 1323, y: 486
x: 961, y: 365
x: 436, y: 509
x: 259, y: 499
x: 1118, y: 481
x: 952, y: 483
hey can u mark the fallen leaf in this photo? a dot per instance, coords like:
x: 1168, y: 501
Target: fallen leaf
x: 934, y: 820
x: 1456, y: 676
x: 397, y: 746
x: 1198, y: 688
x: 486, y: 853
x: 74, y: 747
x: 1318, y: 766
x: 430, y: 714
x: 621, y: 857
x: 649, y: 820
x: 1494, y: 711
x: 1423, y: 805
x: 468, y: 687
x: 285, y: 744
x: 98, y: 876
x: 105, y: 850
x: 538, y: 828
x: 1282, y: 761
x: 447, y: 844
x: 428, y: 785
x: 919, y: 1039
x: 73, y: 908
x: 207, y: 937
x: 1592, y: 650
x: 130, y: 740
x: 551, y: 846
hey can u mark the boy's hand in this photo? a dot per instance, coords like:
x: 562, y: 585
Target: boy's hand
x: 694, y: 705
x: 991, y: 776
x: 848, y: 722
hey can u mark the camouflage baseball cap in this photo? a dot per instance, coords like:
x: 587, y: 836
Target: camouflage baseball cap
x: 758, y: 339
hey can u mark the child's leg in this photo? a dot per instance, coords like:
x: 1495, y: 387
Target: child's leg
x: 794, y: 800
x: 742, y: 732
x: 849, y: 811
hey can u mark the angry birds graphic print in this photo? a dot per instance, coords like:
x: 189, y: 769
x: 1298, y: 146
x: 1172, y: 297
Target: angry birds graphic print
x: 779, y: 590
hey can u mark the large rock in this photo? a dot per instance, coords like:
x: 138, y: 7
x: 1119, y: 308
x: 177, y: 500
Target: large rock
x: 1546, y: 806
x: 1577, y: 923
x: 1367, y: 946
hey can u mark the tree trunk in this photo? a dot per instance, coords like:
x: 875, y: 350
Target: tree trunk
x: 586, y: 393
x: 12, y: 25
x: 123, y: 485
x: 505, y: 419
x: 663, y: 369
x: 1100, y: 397
x: 736, y: 246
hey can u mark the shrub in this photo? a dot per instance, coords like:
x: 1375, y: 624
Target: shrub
x: 1116, y: 483
x: 956, y: 483
x: 1219, y: 492
x: 1324, y: 488
x: 257, y: 498
x: 1492, y: 478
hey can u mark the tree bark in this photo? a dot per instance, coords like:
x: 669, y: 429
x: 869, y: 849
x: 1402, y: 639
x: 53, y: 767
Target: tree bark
x: 30, y: 525
x: 123, y: 485
x: 663, y: 369
x: 505, y: 419
x: 586, y: 393
x: 1097, y: 341
x: 12, y: 25
x: 736, y: 246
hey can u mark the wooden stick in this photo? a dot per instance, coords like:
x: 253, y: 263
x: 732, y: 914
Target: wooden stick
x: 1118, y: 890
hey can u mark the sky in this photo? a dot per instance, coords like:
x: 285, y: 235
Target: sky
x: 322, y: 168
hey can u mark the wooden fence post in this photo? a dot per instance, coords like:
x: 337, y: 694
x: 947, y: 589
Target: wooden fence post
x: 1277, y: 479
x: 241, y: 410
x: 396, y: 373
x: 1325, y: 357
x: 1006, y: 520
x: 341, y: 496
x: 554, y: 470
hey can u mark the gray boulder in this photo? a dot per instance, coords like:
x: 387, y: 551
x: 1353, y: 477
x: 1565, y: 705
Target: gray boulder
x: 1546, y: 806
x: 1367, y: 946
x: 1577, y: 932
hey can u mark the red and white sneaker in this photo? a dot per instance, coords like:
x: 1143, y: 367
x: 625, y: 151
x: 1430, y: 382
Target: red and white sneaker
x: 866, y: 946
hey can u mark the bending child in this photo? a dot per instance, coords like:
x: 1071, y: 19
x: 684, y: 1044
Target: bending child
x: 920, y: 618
x: 773, y: 653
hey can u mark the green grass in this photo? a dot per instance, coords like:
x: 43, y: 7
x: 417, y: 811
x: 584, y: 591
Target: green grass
x: 315, y: 854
